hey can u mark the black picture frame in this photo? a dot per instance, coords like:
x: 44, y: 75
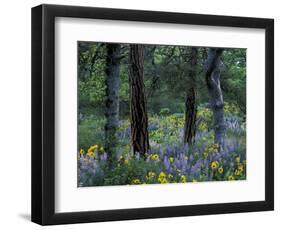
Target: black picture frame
x: 43, y: 114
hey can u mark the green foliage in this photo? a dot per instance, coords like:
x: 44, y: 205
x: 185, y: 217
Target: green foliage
x: 166, y: 79
x: 91, y: 129
x: 233, y: 79
x: 164, y: 111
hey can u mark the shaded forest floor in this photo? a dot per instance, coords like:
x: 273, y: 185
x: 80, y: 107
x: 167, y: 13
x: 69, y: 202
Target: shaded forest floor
x: 168, y: 160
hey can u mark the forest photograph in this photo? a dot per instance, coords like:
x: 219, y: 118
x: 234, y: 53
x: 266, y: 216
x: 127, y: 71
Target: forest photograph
x: 160, y: 114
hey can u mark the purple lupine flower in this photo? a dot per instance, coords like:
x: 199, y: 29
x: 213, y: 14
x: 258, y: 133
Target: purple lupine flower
x: 161, y: 153
x: 177, y: 163
x: 168, y: 150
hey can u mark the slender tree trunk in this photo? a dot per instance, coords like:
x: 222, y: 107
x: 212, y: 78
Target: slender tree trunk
x: 155, y: 73
x: 138, y: 113
x: 213, y: 69
x: 112, y: 98
x: 190, y: 102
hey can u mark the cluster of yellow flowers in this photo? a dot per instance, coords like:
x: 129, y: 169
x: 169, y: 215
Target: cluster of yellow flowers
x: 91, y: 151
x: 162, y: 178
x: 178, y: 121
x: 230, y: 108
x: 206, y: 115
x: 171, y: 119
x: 213, y: 148
x: 215, y: 166
x: 239, y: 170
x: 150, y: 175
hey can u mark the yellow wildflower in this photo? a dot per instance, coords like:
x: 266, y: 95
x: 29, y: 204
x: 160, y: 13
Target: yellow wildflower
x: 220, y: 170
x: 162, y: 175
x: 214, y: 164
x: 81, y: 151
x: 90, y: 154
x: 151, y: 174
x: 239, y: 170
x: 136, y: 181
x: 170, y: 176
x: 92, y: 148
x: 155, y: 157
x: 240, y: 167
x: 216, y: 146
x: 163, y: 181
x: 183, y: 179
x: 231, y: 177
x: 171, y: 159
x: 205, y: 154
x: 237, y: 159
x: 162, y: 178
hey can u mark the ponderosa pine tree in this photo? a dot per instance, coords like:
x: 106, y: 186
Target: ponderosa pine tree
x: 190, y: 102
x: 213, y: 68
x: 138, y: 111
x: 112, y: 70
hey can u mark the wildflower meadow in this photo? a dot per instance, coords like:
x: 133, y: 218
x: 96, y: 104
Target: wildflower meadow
x: 153, y: 114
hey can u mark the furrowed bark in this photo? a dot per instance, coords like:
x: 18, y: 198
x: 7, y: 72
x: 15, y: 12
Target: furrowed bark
x: 138, y: 113
x: 112, y: 98
x: 213, y: 69
x: 190, y: 102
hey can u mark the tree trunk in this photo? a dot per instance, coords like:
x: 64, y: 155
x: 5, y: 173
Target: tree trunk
x: 138, y: 113
x: 190, y: 102
x: 112, y: 98
x: 213, y: 69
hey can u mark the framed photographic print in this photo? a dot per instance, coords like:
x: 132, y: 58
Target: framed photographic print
x: 142, y: 114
